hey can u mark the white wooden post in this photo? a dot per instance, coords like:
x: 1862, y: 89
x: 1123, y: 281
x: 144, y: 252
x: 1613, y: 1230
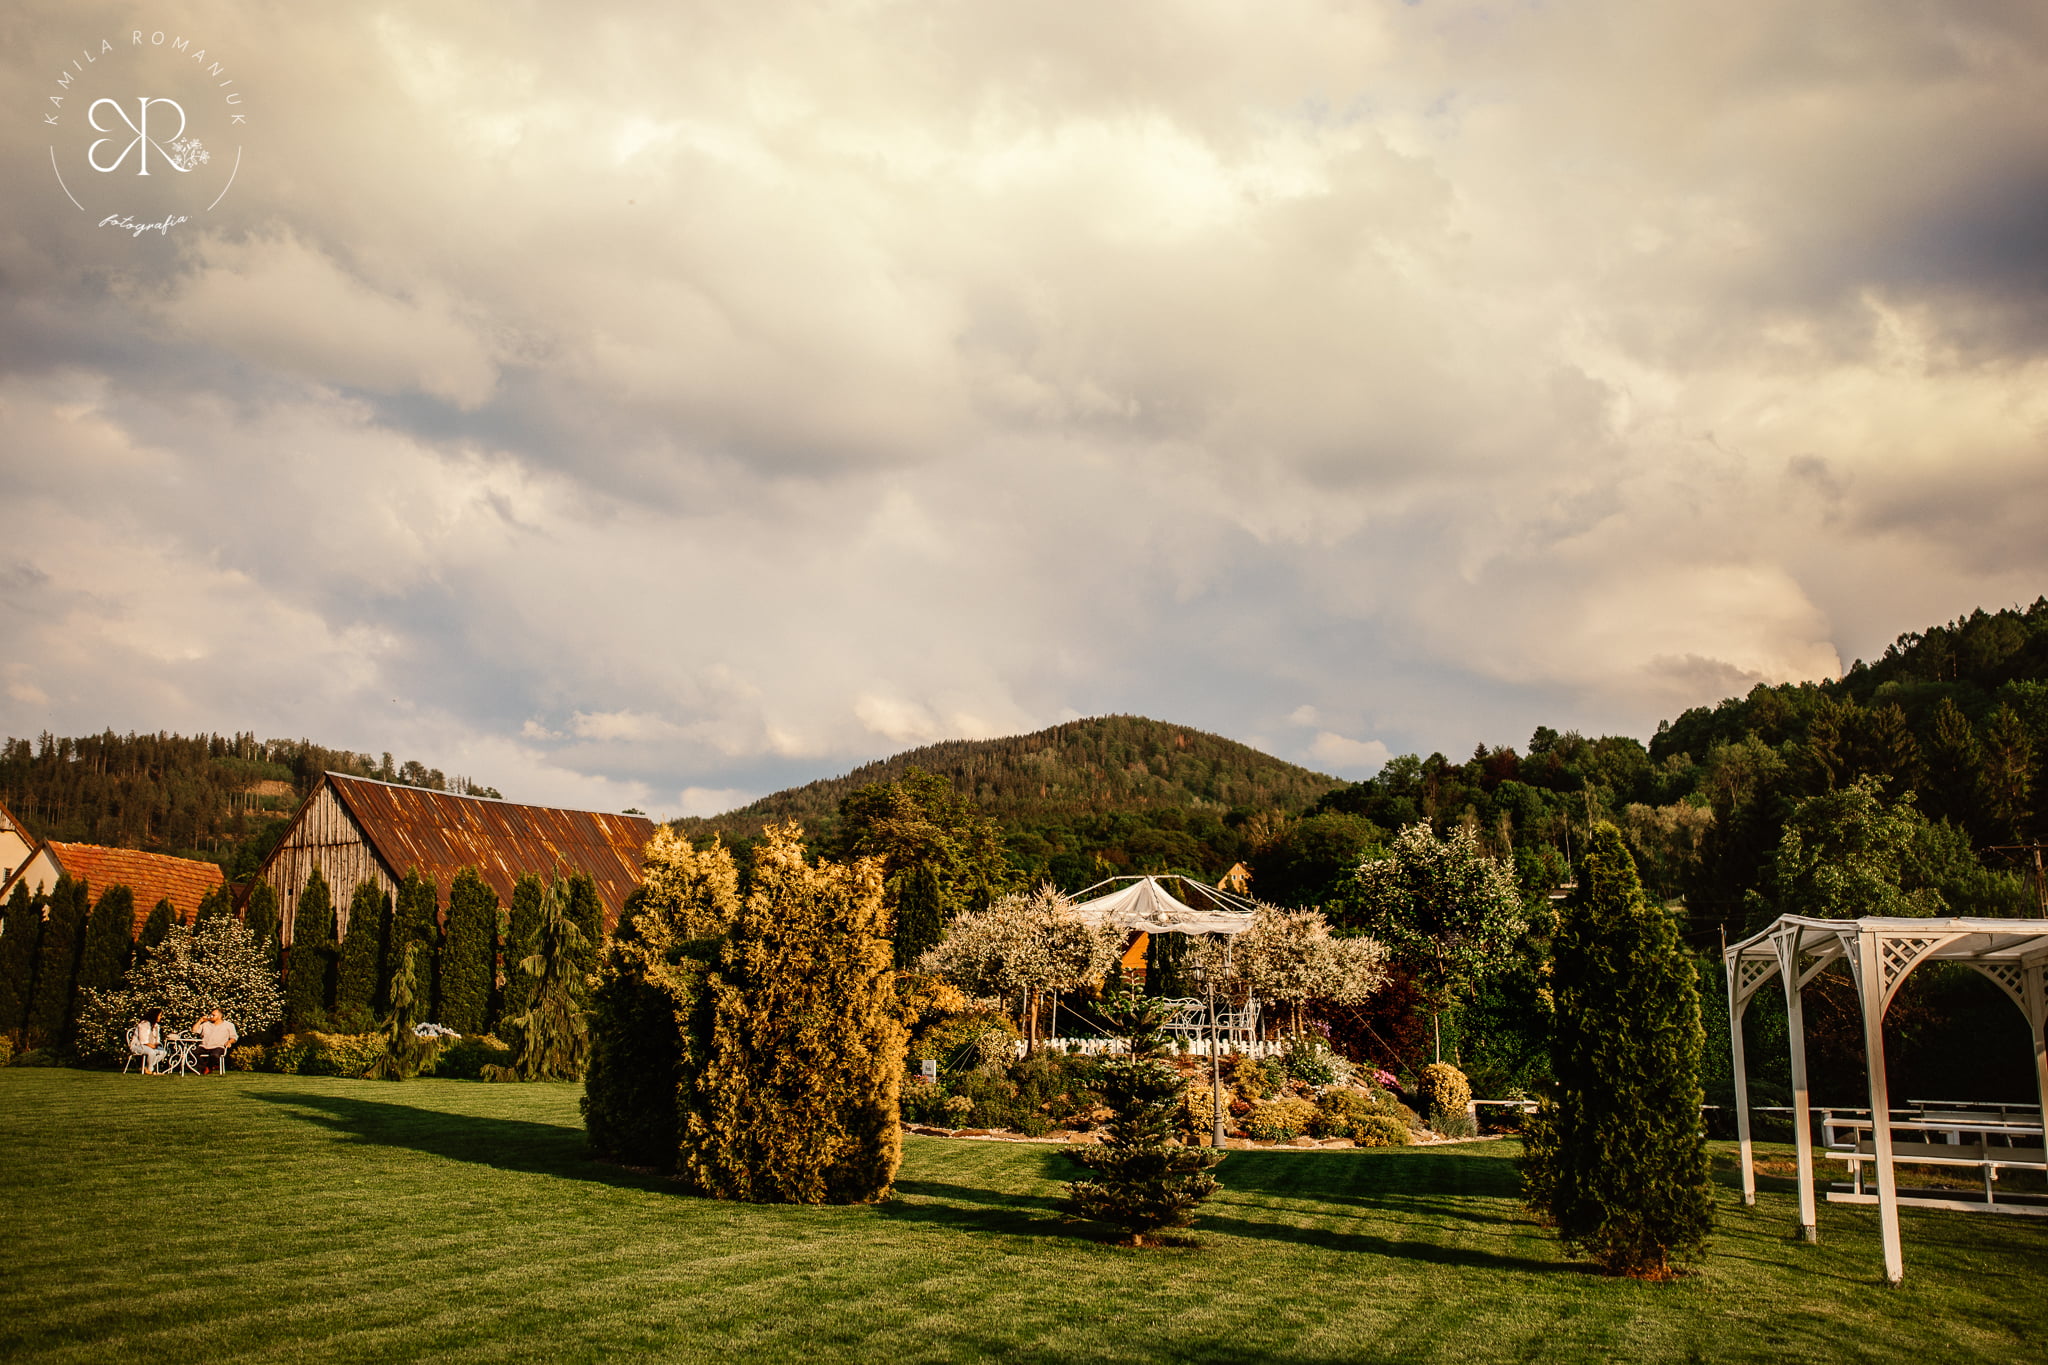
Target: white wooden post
x: 2034, y: 992
x: 1737, y: 1003
x: 1870, y: 988
x: 1802, y: 1121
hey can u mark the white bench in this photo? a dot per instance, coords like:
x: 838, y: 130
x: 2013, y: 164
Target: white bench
x: 1938, y: 1138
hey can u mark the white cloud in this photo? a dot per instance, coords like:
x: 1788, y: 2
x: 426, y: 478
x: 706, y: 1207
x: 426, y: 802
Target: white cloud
x: 1361, y: 758
x: 631, y: 411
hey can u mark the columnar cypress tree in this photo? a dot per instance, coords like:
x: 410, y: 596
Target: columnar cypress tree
x: 649, y: 996
x: 260, y: 918
x: 310, y: 958
x: 920, y: 913
x: 797, y: 1101
x: 57, y: 964
x: 19, y: 938
x: 469, y: 953
x: 1615, y: 1155
x: 522, y: 923
x: 417, y: 919
x: 586, y: 912
x: 156, y: 928
x: 362, y: 949
x: 107, y: 942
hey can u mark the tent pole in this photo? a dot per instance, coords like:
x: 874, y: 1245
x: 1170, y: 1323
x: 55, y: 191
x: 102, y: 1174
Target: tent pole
x: 1735, y: 1011
x: 1215, y: 1068
x: 1870, y: 989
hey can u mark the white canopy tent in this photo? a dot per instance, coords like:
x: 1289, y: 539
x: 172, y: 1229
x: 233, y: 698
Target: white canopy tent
x: 1881, y: 953
x: 1144, y: 905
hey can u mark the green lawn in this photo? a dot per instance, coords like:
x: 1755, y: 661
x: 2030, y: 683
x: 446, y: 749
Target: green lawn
x: 280, y: 1217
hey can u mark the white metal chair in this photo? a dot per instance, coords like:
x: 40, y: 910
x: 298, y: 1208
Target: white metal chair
x: 138, y: 1049
x: 1186, y: 1018
x: 1241, y: 1026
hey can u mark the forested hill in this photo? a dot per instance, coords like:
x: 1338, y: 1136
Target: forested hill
x: 218, y: 798
x: 1084, y: 767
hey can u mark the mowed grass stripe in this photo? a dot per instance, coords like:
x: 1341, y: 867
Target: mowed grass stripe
x: 287, y: 1218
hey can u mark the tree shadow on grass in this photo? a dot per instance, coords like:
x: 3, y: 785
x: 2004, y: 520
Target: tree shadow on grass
x: 1040, y: 1215
x: 506, y: 1144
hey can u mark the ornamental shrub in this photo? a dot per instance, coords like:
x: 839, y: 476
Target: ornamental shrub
x: 978, y: 1041
x: 1279, y: 1120
x: 647, y: 1006
x: 465, y: 1058
x: 1378, y: 1130
x: 1446, y: 1099
x: 1615, y: 1155
x: 320, y: 1054
x: 1310, y: 1061
x: 1339, y: 1113
x: 469, y: 953
x: 1142, y: 1180
x: 803, y: 1050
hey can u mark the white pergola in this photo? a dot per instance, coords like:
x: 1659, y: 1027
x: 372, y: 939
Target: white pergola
x: 1880, y: 953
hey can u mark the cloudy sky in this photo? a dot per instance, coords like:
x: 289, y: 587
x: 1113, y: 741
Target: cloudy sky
x: 662, y: 404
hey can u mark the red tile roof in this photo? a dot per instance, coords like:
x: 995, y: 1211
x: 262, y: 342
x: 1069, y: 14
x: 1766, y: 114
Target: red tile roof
x: 441, y: 833
x: 151, y: 876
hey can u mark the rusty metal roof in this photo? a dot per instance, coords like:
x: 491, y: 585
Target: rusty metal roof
x: 152, y: 877
x: 440, y: 833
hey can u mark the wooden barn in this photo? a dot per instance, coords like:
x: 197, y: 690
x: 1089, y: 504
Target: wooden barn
x: 152, y: 877
x: 353, y: 828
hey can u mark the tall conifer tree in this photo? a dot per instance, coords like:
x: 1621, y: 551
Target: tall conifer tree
x: 1615, y: 1155
x: 19, y: 939
x: 108, y: 944
x: 469, y: 953
x: 310, y: 958
x: 156, y: 928
x: 57, y: 964
x: 260, y: 918
x: 522, y: 923
x: 356, y: 985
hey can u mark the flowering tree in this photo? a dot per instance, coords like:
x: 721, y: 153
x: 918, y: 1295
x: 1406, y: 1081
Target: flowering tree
x: 1445, y: 910
x: 1025, y: 943
x: 1291, y: 956
x: 218, y: 964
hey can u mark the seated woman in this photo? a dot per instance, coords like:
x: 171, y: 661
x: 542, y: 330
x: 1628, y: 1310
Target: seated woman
x: 146, y: 1040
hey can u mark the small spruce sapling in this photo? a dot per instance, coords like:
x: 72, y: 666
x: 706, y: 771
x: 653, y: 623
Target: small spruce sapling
x: 1142, y: 1180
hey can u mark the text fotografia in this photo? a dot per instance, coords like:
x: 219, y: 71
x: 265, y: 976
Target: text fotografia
x: 135, y: 229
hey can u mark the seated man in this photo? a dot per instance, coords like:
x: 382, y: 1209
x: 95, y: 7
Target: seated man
x: 216, y: 1036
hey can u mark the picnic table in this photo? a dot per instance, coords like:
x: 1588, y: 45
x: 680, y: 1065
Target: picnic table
x: 1969, y: 1137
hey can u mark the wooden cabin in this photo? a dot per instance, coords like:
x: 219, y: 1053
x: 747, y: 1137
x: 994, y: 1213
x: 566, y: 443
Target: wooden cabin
x: 354, y: 829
